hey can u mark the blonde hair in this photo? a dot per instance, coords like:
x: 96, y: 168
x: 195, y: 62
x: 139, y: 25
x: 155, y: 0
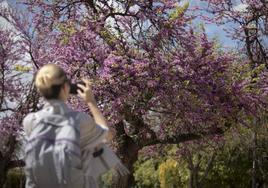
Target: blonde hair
x: 49, y: 81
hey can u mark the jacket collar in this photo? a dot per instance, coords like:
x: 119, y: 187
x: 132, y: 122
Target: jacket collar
x: 56, y: 106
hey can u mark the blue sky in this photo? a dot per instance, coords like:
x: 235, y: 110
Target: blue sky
x: 214, y: 30
x: 15, y: 3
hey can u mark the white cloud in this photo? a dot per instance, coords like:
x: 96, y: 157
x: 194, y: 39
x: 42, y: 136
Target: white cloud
x: 4, y: 4
x: 242, y: 7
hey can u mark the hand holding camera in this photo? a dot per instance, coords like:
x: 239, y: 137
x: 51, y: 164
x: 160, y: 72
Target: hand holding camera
x: 84, y: 90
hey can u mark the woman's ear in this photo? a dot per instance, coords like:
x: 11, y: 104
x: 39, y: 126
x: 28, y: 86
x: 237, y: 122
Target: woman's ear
x: 65, y: 90
x: 66, y: 87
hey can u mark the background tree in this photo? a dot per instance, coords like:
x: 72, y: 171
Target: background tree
x: 10, y: 114
x: 249, y: 20
x: 16, y: 94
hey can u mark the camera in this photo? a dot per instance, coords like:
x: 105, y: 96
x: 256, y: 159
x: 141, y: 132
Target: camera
x: 74, y: 87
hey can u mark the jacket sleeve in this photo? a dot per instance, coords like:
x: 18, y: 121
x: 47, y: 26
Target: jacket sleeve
x: 92, y: 134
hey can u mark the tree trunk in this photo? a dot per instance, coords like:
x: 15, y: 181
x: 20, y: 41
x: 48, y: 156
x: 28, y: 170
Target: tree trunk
x: 6, y: 158
x: 254, y: 157
x: 3, y: 172
x: 127, y: 150
x: 193, y: 181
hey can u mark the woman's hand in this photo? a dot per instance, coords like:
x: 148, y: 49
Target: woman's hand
x: 86, y: 93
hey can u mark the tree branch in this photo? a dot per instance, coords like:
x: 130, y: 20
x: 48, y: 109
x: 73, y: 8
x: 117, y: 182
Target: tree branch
x: 183, y: 137
x: 16, y: 163
x: 209, y: 165
x: 7, y: 109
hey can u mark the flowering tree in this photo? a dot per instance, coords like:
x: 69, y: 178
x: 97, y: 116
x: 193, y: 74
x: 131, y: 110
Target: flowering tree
x: 10, y: 89
x: 16, y: 94
x: 157, y: 78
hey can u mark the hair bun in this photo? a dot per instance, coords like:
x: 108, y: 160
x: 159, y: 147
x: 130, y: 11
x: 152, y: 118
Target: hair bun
x: 44, y: 81
x: 49, y: 75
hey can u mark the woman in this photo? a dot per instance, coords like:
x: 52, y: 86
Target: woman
x: 52, y: 83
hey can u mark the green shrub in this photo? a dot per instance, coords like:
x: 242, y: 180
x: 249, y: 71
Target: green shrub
x: 146, y: 174
x: 15, y: 179
x: 106, y: 179
x: 173, y: 174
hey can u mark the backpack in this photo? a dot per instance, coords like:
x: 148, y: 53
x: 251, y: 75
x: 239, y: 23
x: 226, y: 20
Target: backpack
x: 52, y: 153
